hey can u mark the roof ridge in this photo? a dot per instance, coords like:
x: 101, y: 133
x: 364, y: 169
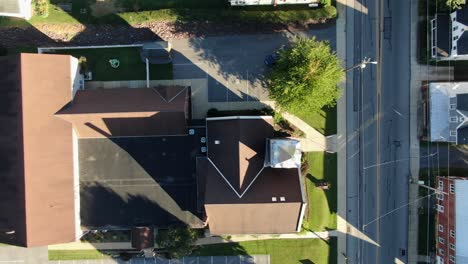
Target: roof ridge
x: 230, y: 185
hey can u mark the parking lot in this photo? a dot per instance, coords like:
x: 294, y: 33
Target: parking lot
x: 233, y: 65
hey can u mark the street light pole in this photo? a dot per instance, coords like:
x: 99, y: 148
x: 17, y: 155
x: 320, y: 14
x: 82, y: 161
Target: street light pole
x: 363, y: 64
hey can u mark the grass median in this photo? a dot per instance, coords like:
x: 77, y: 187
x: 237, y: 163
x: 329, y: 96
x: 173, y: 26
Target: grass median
x: 76, y: 255
x: 282, y: 251
x: 322, y: 204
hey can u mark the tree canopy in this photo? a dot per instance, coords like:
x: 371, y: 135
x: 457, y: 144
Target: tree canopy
x: 448, y: 5
x: 306, y: 76
x: 177, y: 241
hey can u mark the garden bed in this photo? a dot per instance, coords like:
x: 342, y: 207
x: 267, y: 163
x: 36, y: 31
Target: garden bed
x: 108, y: 236
x: 282, y: 127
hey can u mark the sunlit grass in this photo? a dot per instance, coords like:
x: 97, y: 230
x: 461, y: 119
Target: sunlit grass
x: 322, y: 203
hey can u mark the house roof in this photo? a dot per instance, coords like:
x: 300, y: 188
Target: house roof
x: 236, y: 147
x: 241, y: 195
x: 128, y: 100
x: 37, y: 153
x: 461, y: 221
x: 128, y: 112
x: 443, y: 37
x: 442, y: 94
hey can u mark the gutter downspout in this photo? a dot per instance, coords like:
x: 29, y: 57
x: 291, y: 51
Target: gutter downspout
x: 147, y: 74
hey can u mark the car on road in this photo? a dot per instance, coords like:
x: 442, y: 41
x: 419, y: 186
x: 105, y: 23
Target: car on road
x: 272, y: 58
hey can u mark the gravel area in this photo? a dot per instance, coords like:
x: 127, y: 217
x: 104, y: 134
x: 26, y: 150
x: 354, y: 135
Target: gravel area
x: 66, y: 34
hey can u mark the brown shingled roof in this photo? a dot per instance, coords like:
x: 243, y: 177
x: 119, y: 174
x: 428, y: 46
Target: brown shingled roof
x: 37, y: 195
x: 240, y: 153
x: 266, y: 200
x: 128, y: 112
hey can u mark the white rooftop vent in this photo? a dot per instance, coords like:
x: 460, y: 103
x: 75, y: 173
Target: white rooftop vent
x: 203, y: 149
x: 283, y: 153
x: 191, y: 131
x: 203, y: 139
x: 217, y: 142
x: 282, y: 198
x: 273, y: 199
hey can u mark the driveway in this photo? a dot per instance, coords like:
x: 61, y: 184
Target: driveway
x: 233, y: 65
x: 444, y: 156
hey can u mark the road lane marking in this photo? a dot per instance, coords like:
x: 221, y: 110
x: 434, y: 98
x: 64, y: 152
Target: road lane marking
x: 379, y: 36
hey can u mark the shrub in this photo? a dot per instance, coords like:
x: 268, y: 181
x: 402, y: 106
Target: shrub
x: 41, y: 8
x: 177, y: 241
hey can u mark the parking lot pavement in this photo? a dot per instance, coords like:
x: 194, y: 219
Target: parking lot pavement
x: 233, y: 65
x: 19, y: 255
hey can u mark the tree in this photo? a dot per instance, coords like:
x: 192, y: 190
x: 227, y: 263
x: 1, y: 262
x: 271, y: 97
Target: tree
x: 177, y: 241
x: 306, y: 76
x: 450, y: 5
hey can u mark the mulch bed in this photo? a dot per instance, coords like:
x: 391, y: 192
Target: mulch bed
x: 73, y: 35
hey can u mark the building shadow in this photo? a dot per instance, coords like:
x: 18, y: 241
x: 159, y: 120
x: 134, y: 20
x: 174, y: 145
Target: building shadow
x: 128, y: 181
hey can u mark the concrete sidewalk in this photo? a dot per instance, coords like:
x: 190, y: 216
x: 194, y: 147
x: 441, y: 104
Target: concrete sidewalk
x: 419, y: 75
x: 341, y: 137
x: 244, y: 238
x: 201, y: 241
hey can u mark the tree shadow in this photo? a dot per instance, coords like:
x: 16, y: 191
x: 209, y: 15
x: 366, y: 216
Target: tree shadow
x: 306, y: 261
x: 224, y: 249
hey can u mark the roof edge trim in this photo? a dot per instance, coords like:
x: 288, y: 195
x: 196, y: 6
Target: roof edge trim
x: 237, y: 118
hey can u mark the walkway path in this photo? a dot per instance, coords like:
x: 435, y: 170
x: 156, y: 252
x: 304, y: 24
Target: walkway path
x: 201, y: 241
x: 419, y: 74
x: 231, y: 239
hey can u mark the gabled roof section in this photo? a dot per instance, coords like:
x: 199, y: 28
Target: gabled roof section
x: 126, y: 100
x: 128, y: 112
x: 169, y: 93
x: 236, y: 148
x: 36, y: 190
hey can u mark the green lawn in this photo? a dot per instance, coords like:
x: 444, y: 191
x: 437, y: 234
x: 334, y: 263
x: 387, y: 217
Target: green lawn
x: 299, y: 251
x: 76, y: 254
x: 324, y: 121
x: 131, y: 67
x: 322, y: 203
x: 177, y: 10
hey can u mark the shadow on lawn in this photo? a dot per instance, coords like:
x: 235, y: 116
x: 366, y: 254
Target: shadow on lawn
x: 330, y: 176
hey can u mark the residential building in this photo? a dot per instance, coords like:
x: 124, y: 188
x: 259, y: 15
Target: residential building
x: 16, y: 8
x: 452, y: 220
x: 446, y: 112
x: 448, y: 41
x: 253, y: 182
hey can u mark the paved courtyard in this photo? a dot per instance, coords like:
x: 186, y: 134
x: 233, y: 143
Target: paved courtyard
x: 233, y: 65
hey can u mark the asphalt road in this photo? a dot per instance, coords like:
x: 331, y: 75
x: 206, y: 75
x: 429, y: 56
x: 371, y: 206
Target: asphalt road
x: 378, y: 130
